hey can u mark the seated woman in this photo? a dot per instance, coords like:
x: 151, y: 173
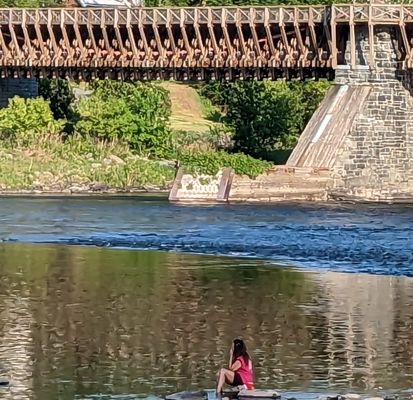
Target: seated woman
x: 240, y: 368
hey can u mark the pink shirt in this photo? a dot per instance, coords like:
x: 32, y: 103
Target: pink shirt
x: 245, y: 370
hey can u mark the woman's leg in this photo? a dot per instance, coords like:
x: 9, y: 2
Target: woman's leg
x: 224, y: 376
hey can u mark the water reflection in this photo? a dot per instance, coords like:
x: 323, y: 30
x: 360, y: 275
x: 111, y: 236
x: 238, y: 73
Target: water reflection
x: 78, y: 321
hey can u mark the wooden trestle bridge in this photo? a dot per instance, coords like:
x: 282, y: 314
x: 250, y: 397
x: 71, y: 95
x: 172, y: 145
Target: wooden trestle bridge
x: 193, y: 43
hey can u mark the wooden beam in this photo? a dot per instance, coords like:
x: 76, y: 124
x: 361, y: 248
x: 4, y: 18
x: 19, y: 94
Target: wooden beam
x: 212, y: 35
x: 352, y: 39
x: 240, y: 34
x: 254, y: 32
x: 372, y: 61
x: 69, y: 60
x: 224, y: 27
x: 26, y: 37
x: 185, y: 39
x: 313, y: 37
x: 284, y: 39
x: 333, y: 37
x: 269, y: 34
x: 298, y: 35
x: 117, y: 33
x: 406, y: 43
x: 142, y: 32
x: 169, y: 30
x: 131, y: 35
x: 51, y: 34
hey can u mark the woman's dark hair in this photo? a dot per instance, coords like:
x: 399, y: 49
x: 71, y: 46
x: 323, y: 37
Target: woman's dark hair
x: 240, y: 350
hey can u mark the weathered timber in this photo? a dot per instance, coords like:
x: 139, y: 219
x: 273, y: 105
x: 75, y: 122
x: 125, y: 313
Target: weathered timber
x: 192, y: 43
x: 230, y: 394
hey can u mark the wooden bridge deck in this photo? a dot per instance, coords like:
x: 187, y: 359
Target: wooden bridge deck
x: 191, y: 43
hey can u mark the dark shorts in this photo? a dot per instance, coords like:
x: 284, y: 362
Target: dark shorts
x: 237, y: 380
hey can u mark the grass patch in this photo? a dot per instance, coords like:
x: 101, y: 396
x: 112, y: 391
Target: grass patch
x: 80, y: 164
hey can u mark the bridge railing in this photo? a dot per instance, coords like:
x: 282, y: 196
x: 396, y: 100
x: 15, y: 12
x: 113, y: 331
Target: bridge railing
x: 230, y: 38
x: 373, y: 13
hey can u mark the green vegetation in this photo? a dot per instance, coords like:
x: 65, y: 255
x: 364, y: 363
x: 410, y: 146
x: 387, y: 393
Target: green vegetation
x: 35, y: 155
x: 135, y: 113
x: 266, y: 116
x: 127, y: 136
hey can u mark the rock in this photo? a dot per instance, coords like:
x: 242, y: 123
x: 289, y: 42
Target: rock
x: 116, y: 159
x: 168, y: 163
x: 98, y: 187
x: 256, y: 394
x: 199, y: 395
x: 352, y: 396
x: 4, y: 382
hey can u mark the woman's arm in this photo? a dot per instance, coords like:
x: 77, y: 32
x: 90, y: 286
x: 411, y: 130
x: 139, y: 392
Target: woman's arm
x: 230, y: 356
x: 234, y: 367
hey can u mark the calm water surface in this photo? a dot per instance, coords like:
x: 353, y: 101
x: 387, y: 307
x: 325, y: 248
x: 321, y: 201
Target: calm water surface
x: 83, y: 322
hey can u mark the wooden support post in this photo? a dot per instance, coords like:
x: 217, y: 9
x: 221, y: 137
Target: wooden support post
x: 130, y: 34
x: 117, y: 31
x: 3, y: 44
x: 298, y: 35
x: 142, y: 33
x: 185, y: 38
x: 78, y: 37
x: 212, y: 35
x: 158, y: 41
x: 268, y: 32
x: 224, y: 27
x: 92, y: 36
x: 26, y: 39
x: 352, y: 39
x: 328, y: 35
x: 198, y: 32
x: 15, y: 41
x: 407, y: 48
x: 284, y: 38
x: 313, y: 36
x: 238, y: 24
x: 333, y: 38
x: 51, y: 34
x: 104, y: 31
x: 372, y: 61
x: 254, y: 32
x: 66, y: 40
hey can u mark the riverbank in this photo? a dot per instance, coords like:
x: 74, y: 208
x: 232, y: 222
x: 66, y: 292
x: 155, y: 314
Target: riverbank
x: 81, y: 167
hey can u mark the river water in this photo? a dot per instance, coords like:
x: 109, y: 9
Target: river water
x: 123, y: 298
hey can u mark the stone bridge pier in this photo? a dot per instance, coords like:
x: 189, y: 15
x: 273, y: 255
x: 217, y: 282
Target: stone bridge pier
x: 363, y: 131
x: 375, y: 159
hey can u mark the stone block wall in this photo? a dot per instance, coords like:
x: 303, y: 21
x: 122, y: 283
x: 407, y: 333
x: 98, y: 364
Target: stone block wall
x: 10, y: 87
x: 375, y: 161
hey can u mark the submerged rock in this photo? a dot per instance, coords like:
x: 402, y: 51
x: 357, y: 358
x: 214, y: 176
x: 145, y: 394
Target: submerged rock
x: 352, y: 396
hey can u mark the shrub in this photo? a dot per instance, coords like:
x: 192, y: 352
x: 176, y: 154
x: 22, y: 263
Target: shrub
x: 266, y: 116
x: 219, y: 137
x: 60, y: 95
x: 23, y: 120
x: 210, y: 162
x: 135, y: 112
